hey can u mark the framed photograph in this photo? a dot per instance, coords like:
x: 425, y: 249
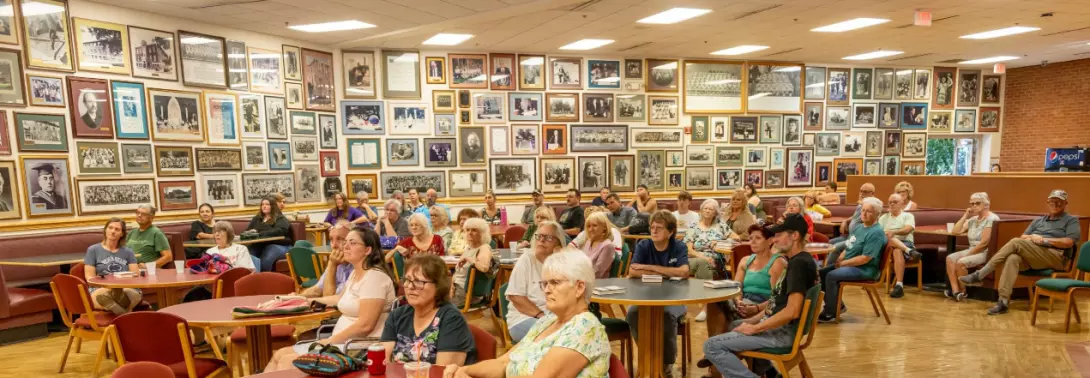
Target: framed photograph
x: 701, y: 154
x: 47, y: 186
x: 965, y: 120
x: 367, y: 182
x: 499, y: 135
x: 872, y: 167
x: 468, y: 182
x: 444, y: 124
x: 756, y: 157
x: 556, y: 140
x: 945, y: 89
x: 729, y: 157
x: 651, y: 169
x: 862, y: 83
x: 363, y: 118
x: 903, y: 85
x: 364, y: 153
x: 503, y: 72
x: 441, y: 152
x: 221, y: 117
x: 874, y: 144
x: 203, y: 60
x: 838, y: 118
x: 922, y: 85
x: 9, y: 34
x: 402, y: 152
x: 883, y: 83
x: 468, y: 71
x: 565, y: 73
x: 815, y: 83
x: 177, y: 115
x: 662, y: 137
x: 557, y: 174
x: 893, y: 143
x: 743, y: 129
x: 631, y: 108
x: 828, y: 144
x: 174, y: 161
x: 489, y: 108
x: 792, y: 130
x: 442, y: 101
x: 699, y: 178
x: 409, y: 119
x: 40, y: 132
x: 698, y: 126
x: 45, y: 90
x: 98, y: 158
x: 401, y: 74
x: 524, y: 139
x: 815, y: 116
x: 824, y: 173
x: 254, y: 156
x: 838, y: 86
x: 303, y: 123
x: 437, y: 70
x: 251, y: 116
x: 603, y: 74
x: 594, y: 138
x: 913, y: 168
x: 846, y: 167
x: 276, y: 117
x: 91, y: 111
x: 728, y: 179
x: 359, y: 74
x: 915, y: 145
x: 774, y: 179
x: 514, y: 175
x: 662, y: 75
x: 304, y: 148
x: 9, y: 191
x: 257, y: 186
x: 219, y: 159
x: 220, y: 190
x: 238, y: 74
x: 136, y: 158
x: 853, y: 144
x: 472, y: 142
x: 675, y: 158
x: 177, y: 195
x: 808, y: 139
x: 524, y: 106
x: 991, y: 90
x: 280, y: 156
x: 130, y: 110
x: 664, y: 110
x: 98, y: 196
x: 755, y: 177
x: 914, y: 115
x: 675, y: 180
x: 597, y: 107
x: 888, y: 118
x: 770, y: 129
x: 308, y: 183
x: 713, y: 86
x: 777, y: 157
x: 989, y: 120
x: 531, y: 72
x: 563, y: 107
x: 463, y: 117
x: 327, y: 131
x: 593, y: 174
x: 940, y: 121
x: 45, y: 36
x: 292, y: 62
x: 622, y: 173
x: 266, y: 75
x: 153, y: 54
x: 318, y: 91
x: 968, y: 87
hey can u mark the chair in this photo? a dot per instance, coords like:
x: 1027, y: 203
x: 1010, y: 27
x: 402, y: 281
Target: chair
x: 684, y: 330
x: 398, y: 264
x: 303, y: 244
x: 626, y: 256
x: 486, y: 343
x: 787, y: 358
x: 820, y: 238
x: 282, y: 335
x: 480, y: 285
x: 616, y: 370
x: 224, y: 287
x: 1066, y: 286
x: 870, y: 287
x: 738, y: 253
x: 304, y: 266
x: 514, y: 233
x: 76, y: 311
x: 78, y: 270
x: 264, y: 283
x: 916, y: 264
x: 503, y: 315
x: 143, y: 369
x: 162, y: 338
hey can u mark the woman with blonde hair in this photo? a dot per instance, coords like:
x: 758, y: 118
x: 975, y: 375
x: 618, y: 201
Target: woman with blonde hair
x: 615, y: 234
x: 904, y: 188
x: 458, y: 240
x: 477, y: 255
x: 542, y: 214
x: 440, y: 225
x: 422, y: 242
x: 599, y: 244
x: 737, y: 217
x: 813, y: 207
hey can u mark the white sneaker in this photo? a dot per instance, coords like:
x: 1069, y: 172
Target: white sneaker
x: 702, y: 316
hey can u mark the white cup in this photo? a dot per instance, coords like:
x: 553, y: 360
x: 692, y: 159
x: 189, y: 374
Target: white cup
x: 150, y: 267
x: 950, y: 227
x: 514, y: 247
x: 179, y: 267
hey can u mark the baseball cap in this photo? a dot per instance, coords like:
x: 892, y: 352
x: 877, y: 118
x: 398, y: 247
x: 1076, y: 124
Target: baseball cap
x: 1058, y: 194
x: 537, y: 192
x: 791, y: 222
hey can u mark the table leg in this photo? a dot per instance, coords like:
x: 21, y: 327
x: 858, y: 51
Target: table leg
x: 260, y: 339
x: 167, y: 297
x: 649, y: 343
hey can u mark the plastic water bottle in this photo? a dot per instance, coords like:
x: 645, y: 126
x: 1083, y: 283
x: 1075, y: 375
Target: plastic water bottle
x: 503, y: 215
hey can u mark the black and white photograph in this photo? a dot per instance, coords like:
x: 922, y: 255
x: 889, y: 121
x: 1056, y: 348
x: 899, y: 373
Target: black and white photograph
x: 588, y: 138
x: 792, y: 130
x: 664, y: 110
x: 874, y: 144
x: 675, y: 180
x: 308, y: 183
x: 9, y: 33
x: 318, y: 90
x: 839, y: 81
x: 915, y: 145
x: 774, y: 88
x: 872, y: 167
x: 513, y: 175
x: 276, y: 120
x: 176, y: 115
x: 631, y: 108
x: 603, y: 74
x: 409, y: 118
x: 436, y: 69
x: 863, y: 115
x: 359, y: 73
x: 556, y: 139
x: 403, y: 152
x: 563, y: 107
x: 238, y: 76
x: 663, y: 75
x: 743, y: 129
x: 524, y: 140
x: 174, y: 161
x: 279, y: 156
x: 891, y: 165
x: 41, y: 132
x: 827, y: 144
x: 912, y: 168
x: 153, y: 54
x: 45, y: 35
x: 468, y: 182
x: 203, y: 60
x: 862, y: 83
x: 923, y: 85
x: 557, y: 174
x: 471, y: 142
x: 293, y: 93
x: 257, y: 186
x: 331, y: 186
x: 565, y: 73
x: 893, y: 143
x: 651, y: 169
x: 903, y: 85
x: 633, y: 69
x: 364, y: 183
x: 726, y: 156
x: 945, y: 88
x: 97, y: 196
x: 251, y: 116
x: 774, y: 179
x: 441, y: 152
x: 265, y: 73
x: 525, y: 106
x: 304, y: 148
x: 597, y: 107
x: 531, y: 72
x: 254, y: 156
x: 293, y: 69
x: 468, y: 71
x: 136, y: 158
x: 815, y: 116
x: 219, y: 190
x: 363, y: 118
x: 853, y: 144
x: 699, y: 178
x: 327, y: 130
x: 643, y: 137
x: 444, y: 124
x: 303, y: 123
x: 755, y: 177
x: 421, y: 181
x: 968, y: 87
x: 219, y: 159
x: 770, y: 129
x: 713, y: 87
x: 728, y: 179
x: 815, y: 83
x: 177, y: 195
x: 756, y: 157
x: 593, y: 174
x: 488, y: 108
x: 98, y: 158
x: 991, y: 89
x: 883, y: 83
x: 800, y: 167
x: 331, y: 163
x: 847, y: 167
x: 989, y: 119
x: 700, y: 154
x: 838, y: 118
x: 9, y: 196
x: 940, y: 122
x: 46, y: 90
x: 622, y: 172
x: 887, y: 116
x: 965, y: 120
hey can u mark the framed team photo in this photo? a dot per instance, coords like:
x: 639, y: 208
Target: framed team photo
x: 100, y: 196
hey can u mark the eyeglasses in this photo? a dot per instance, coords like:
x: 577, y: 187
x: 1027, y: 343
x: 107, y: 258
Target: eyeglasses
x: 656, y: 228
x: 140, y: 214
x: 866, y: 191
x: 545, y: 284
x: 351, y: 243
x: 415, y: 284
x: 542, y: 237
x: 976, y: 203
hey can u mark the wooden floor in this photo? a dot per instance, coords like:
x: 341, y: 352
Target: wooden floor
x: 930, y: 337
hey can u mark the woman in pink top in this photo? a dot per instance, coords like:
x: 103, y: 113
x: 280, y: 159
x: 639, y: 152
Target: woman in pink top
x: 599, y: 244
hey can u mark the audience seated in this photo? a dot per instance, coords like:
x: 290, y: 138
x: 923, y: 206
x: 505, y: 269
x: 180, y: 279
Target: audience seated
x: 700, y: 241
x: 269, y: 222
x: 686, y: 218
x: 458, y: 240
x: 343, y: 210
x: 237, y: 255
x: 899, y: 225
x: 363, y: 199
x: 737, y: 217
x: 758, y: 273
x: 814, y: 209
x: 663, y: 255
x: 404, y: 211
x: 598, y: 244
x: 431, y: 196
x: 858, y: 260
x: 147, y: 241
x: 643, y: 203
x: 794, y: 206
x: 201, y: 229
x: 572, y: 218
x: 538, y: 202
x: 754, y: 201
x: 615, y: 234
x: 392, y: 223
x: 337, y: 270
x: 476, y: 255
x: 1046, y: 244
x: 422, y: 240
x: 829, y: 196
x: 440, y: 225
x: 904, y: 188
x: 977, y: 224
x: 490, y: 213
x: 865, y: 191
x: 414, y: 203
x: 541, y: 215
x: 600, y: 200
x: 620, y: 216
x: 527, y: 299
x: 430, y: 328
x: 108, y: 257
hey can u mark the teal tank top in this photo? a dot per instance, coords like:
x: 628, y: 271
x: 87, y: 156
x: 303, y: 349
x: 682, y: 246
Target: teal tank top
x: 758, y: 282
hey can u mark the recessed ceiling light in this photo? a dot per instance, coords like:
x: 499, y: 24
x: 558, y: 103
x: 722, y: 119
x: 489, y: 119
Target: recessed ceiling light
x: 874, y: 55
x: 446, y: 39
x: 674, y: 15
x: 1001, y: 32
x: 994, y: 59
x: 586, y: 44
x: 858, y: 23
x: 332, y: 26
x: 739, y: 50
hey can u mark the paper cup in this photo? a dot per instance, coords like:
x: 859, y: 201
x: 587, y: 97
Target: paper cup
x: 950, y: 227
x: 179, y: 267
x: 150, y: 267
x: 514, y: 247
x: 417, y: 369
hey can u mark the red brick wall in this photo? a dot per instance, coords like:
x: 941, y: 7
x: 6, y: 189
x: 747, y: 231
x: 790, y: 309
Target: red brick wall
x: 1045, y: 107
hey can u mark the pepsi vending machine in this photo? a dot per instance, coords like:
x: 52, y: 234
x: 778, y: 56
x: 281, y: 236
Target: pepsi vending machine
x: 1067, y: 159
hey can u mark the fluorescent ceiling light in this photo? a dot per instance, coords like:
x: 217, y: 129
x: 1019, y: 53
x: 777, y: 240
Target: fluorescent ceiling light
x: 858, y: 23
x: 586, y: 44
x: 874, y: 55
x: 446, y: 39
x: 994, y: 59
x: 332, y: 26
x: 739, y: 50
x: 1001, y: 32
x: 33, y: 8
x: 674, y: 15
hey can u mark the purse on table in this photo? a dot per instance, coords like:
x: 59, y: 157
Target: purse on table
x: 329, y: 361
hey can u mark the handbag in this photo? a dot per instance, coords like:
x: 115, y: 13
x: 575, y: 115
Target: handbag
x: 388, y: 242
x: 329, y: 361
x: 212, y: 264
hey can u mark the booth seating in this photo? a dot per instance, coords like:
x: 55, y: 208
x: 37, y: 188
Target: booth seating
x: 298, y: 232
x: 24, y: 312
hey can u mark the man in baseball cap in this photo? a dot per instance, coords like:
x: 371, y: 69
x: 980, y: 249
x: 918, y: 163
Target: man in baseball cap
x: 1048, y: 243
x: 539, y: 201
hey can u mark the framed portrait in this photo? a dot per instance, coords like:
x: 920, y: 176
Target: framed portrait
x: 756, y: 157
x: 662, y: 75
x: 664, y: 110
x: 254, y: 156
x: 276, y: 121
x: 153, y: 54
x: 556, y: 140
x: 136, y: 158
x: 91, y: 111
x: 675, y: 180
x: 991, y: 89
x: 755, y: 177
x: 45, y: 90
x: 468, y: 71
x: 846, y: 167
x: 359, y: 73
x: 603, y: 74
x: 888, y: 116
x: 436, y: 70
x: 293, y: 92
x: 468, y: 182
x: 743, y: 129
x: 662, y: 137
x: 9, y: 191
x: 675, y: 158
x: 258, y: 186
x: 914, y: 115
x: 464, y: 117
x: 203, y: 59
x: 177, y: 195
x: 280, y: 156
x: 622, y: 173
x: 651, y: 169
x: 773, y: 87
x: 176, y: 115
x: 563, y: 107
x: 728, y: 179
x: 713, y: 86
x: 12, y: 89
x: 557, y: 174
x: 266, y: 72
x: 531, y: 72
x: 409, y: 118
x: 47, y: 186
x: 853, y: 144
x: 308, y: 183
x: 701, y: 154
x: 99, y: 196
x: 219, y: 159
x: 499, y: 135
x: 238, y: 73
x: 502, y: 76
x: 565, y: 73
x: 174, y: 161
x: 770, y: 129
x: 698, y: 126
x: 968, y: 87
x: 913, y: 168
x: 45, y: 34
x: 774, y: 179
x: 815, y: 83
x: 944, y: 89
x: 921, y: 88
x: 863, y: 115
x: 292, y: 63
x: 792, y: 130
x: 838, y: 118
x: 221, y: 118
x: 98, y: 158
x: 893, y: 143
x: 524, y: 139
x: 402, y: 152
x: 464, y: 99
x: 10, y: 32
x: 815, y: 116
x: 965, y: 120
x: 883, y: 83
x: 489, y: 108
x: 874, y: 144
x: 823, y: 172
x: 827, y: 144
x: 633, y: 69
x: 130, y: 110
x: 41, y: 132
x: 631, y: 108
x: 513, y: 175
x: 303, y: 123
x: 989, y: 120
x: 366, y: 182
x: 597, y: 107
x: 472, y: 142
x: 220, y: 190
x: 363, y: 118
x: 364, y: 153
x: 862, y: 83
x: 776, y: 157
x: 872, y: 167
x: 304, y: 148
x: 524, y: 106
x: 699, y: 178
x: 327, y: 131
x: 940, y: 121
x: 838, y: 86
x: 251, y: 116
x: 594, y: 138
x: 726, y: 156
x: 442, y: 101
x: 440, y: 152
x: 800, y: 167
x: 914, y: 145
x: 318, y: 91
x: 593, y: 174
x: 444, y: 124
x: 891, y: 165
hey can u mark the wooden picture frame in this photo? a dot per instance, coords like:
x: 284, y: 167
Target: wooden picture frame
x: 154, y: 54
x: 92, y: 107
x: 38, y: 48
x: 554, y: 139
x: 359, y: 68
x: 30, y: 126
x: 435, y: 70
x: 663, y: 75
x: 319, y: 93
x: 565, y: 73
x: 179, y: 158
x: 465, y: 69
x: 201, y: 53
x: 503, y: 72
x: 532, y: 72
x: 177, y: 195
x: 137, y: 192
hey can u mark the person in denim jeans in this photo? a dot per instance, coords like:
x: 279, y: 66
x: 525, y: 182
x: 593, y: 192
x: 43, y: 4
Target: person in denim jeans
x: 270, y: 222
x: 859, y: 260
x: 664, y: 255
x: 865, y: 191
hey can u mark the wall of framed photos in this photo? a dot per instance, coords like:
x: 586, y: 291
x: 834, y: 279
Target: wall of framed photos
x: 305, y: 120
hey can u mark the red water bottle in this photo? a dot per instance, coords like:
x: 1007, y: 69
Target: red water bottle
x: 376, y: 359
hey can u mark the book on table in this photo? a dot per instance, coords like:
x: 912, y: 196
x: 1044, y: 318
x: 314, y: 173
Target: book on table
x: 721, y: 284
x: 655, y: 278
x: 607, y: 290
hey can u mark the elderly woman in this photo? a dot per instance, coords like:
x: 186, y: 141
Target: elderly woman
x: 615, y: 234
x: 599, y: 243
x: 527, y: 300
x: 269, y: 222
x: 147, y: 241
x: 235, y: 254
x: 400, y: 197
x: 568, y: 342
x: 458, y: 240
x: 201, y: 229
x: 107, y: 257
x: 490, y: 212
x: 737, y: 216
x: 423, y: 241
x: 365, y: 303
x: 363, y: 199
x: 794, y: 206
x: 813, y: 208
x: 700, y: 239
x: 440, y: 225
x: 430, y: 328
x: 977, y: 223
x: 477, y: 255
x: 343, y: 210
x: 904, y: 188
x: 392, y: 223
x: 542, y: 214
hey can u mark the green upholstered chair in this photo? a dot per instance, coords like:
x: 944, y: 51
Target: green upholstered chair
x: 304, y: 265
x: 503, y: 315
x: 1064, y: 285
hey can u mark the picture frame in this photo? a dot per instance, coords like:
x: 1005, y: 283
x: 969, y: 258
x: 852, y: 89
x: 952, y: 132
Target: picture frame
x: 363, y: 118
x: 251, y: 116
x: 743, y: 129
x: 700, y: 154
x: 10, y: 33
x: 989, y: 119
x: 991, y: 90
x: 565, y: 73
x: 254, y: 156
x: 756, y: 157
x: 557, y: 174
x: 218, y: 159
x: 220, y: 190
x: 441, y: 152
x: 699, y: 129
x: 555, y: 141
x: 468, y: 71
x: 276, y: 118
x: 258, y: 186
x: 489, y: 108
x: 838, y: 87
x: 815, y: 116
x: 471, y: 145
x: 92, y: 107
x: 599, y: 138
x: 39, y: 42
x: 409, y: 118
x: 893, y: 143
x: 864, y: 116
x: 280, y: 158
x: 729, y: 179
x: 862, y: 83
x: 714, y: 87
x: 443, y: 101
x: 593, y: 173
x: 177, y: 195
x: 940, y: 121
x: 292, y: 62
x: 883, y: 83
x: 436, y: 70
x: 770, y: 129
x: 699, y: 178
x: 464, y: 99
x: 944, y: 88
x: 922, y: 84
x: 913, y: 168
x: 650, y: 170
x: 445, y: 124
x: 130, y: 110
x: 965, y: 120
x: 598, y: 107
x: 203, y: 60
x: 827, y: 144
x: 359, y: 68
x: 303, y: 123
x: 844, y: 167
x: 266, y: 70
x: 468, y: 182
x: 888, y: 116
x: 137, y: 158
x: 503, y: 72
x: 40, y: 132
x: 603, y: 74
x: 729, y: 156
x: 319, y: 94
x: 45, y: 90
x: 815, y: 83
x: 663, y: 110
x: 364, y: 153
x: 675, y: 158
x: 968, y: 88
x: 304, y: 148
x: 774, y: 179
x: 364, y: 182
x: 622, y: 172
x: 808, y: 139
x: 176, y: 115
x: 562, y: 107
x: 111, y: 195
x: 531, y: 72
x: 9, y: 191
x: 524, y: 106
x: 914, y: 145
x: 792, y: 130
x: 513, y: 175
x: 173, y: 161
x: 874, y: 144
x: 221, y: 118
x: 153, y: 54
x: 902, y: 84
x: 853, y: 144
x: 633, y: 69
x: 657, y: 137
x: 327, y: 131
x: 823, y: 172
x: 524, y: 140
x: 631, y: 108
x: 755, y: 177
x: 913, y: 115
x: 838, y: 118
x: 401, y: 74
x: 98, y: 158
x: 238, y: 66
x: 662, y: 75
x: 402, y: 152
x: 872, y: 167
x: 41, y: 201
x: 675, y: 180
x: 501, y: 140
x: 777, y: 157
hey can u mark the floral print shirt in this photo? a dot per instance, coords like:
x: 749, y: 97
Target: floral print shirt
x: 583, y: 334
x: 448, y: 332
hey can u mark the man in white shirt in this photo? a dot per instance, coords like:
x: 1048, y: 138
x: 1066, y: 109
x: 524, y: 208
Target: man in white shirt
x: 898, y: 226
x: 685, y: 218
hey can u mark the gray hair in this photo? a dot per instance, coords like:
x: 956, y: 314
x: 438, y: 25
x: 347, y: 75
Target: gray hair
x: 574, y: 265
x: 899, y: 197
x: 558, y: 233
x: 480, y: 225
x: 874, y: 203
x: 393, y: 202
x: 802, y: 204
x: 343, y: 224
x: 713, y: 202
x: 362, y: 194
x: 225, y: 227
x: 151, y: 209
x: 423, y: 219
x: 982, y: 197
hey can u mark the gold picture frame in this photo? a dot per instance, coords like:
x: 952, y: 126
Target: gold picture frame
x: 435, y: 70
x: 96, y: 55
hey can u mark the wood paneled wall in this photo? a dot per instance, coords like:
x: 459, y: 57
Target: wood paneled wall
x: 1018, y: 193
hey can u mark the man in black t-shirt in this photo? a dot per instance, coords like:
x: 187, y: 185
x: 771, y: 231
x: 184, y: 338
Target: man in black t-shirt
x: 572, y: 217
x: 775, y: 328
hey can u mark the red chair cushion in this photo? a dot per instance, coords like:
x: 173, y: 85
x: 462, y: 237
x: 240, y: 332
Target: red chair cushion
x: 203, y: 367
x: 28, y: 301
x: 143, y: 369
x: 279, y: 332
x: 102, y: 317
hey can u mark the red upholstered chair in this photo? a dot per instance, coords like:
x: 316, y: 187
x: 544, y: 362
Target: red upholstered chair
x: 264, y: 283
x: 737, y: 254
x: 78, y: 270
x: 820, y: 238
x: 162, y: 338
x: 486, y: 343
x: 513, y: 233
x: 616, y: 368
x: 76, y: 310
x: 143, y: 369
x: 225, y: 282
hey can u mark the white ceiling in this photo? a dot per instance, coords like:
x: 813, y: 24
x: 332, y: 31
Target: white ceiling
x: 541, y: 26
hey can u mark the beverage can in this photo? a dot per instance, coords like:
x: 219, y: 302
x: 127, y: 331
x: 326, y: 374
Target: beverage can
x: 376, y: 359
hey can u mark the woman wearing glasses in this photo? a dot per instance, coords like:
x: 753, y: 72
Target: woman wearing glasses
x: 364, y: 304
x: 904, y: 188
x: 527, y: 299
x: 977, y: 222
x: 567, y: 342
x: 430, y: 328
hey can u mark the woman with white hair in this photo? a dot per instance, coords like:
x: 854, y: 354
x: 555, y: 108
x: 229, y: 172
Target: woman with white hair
x: 977, y: 222
x: 392, y: 223
x: 700, y: 239
x: 527, y: 299
x: 795, y: 205
x: 236, y: 254
x: 599, y: 244
x: 477, y: 255
x: 422, y: 240
x: 569, y: 341
x: 737, y: 217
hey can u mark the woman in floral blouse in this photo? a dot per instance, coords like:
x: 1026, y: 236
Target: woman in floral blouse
x: 422, y: 242
x: 704, y: 261
x: 430, y: 328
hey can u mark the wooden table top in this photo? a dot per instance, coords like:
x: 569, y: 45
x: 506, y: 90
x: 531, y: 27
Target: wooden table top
x: 45, y: 260
x: 162, y: 279
x: 217, y: 313
x: 937, y: 229
x: 832, y: 221
x: 393, y: 370
x: 498, y: 229
x: 209, y: 243
x: 666, y: 293
x: 316, y: 227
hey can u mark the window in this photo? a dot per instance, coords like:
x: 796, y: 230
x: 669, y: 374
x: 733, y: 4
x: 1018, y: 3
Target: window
x: 948, y: 156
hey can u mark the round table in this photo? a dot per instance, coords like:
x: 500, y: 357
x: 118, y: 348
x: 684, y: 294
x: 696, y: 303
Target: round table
x: 319, y: 230
x: 393, y: 370
x: 817, y: 250
x: 217, y: 313
x: 165, y: 282
x: 651, y: 300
